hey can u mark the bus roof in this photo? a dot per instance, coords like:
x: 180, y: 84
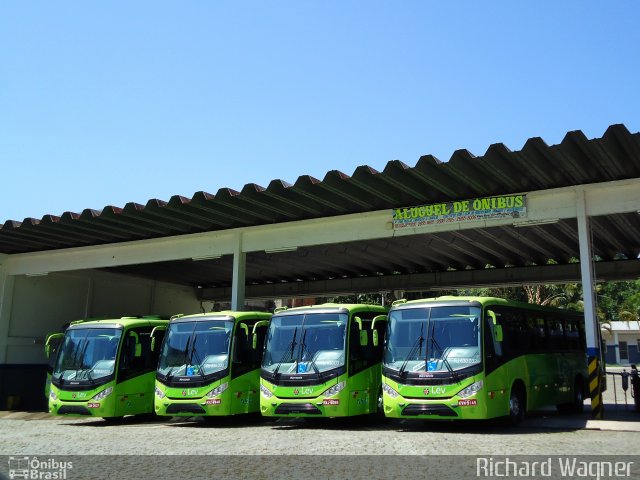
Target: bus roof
x: 483, y: 301
x: 224, y: 315
x: 329, y: 307
x: 124, y: 322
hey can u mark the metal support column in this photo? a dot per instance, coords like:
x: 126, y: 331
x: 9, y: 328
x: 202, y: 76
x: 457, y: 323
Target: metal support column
x: 6, y: 296
x: 592, y: 328
x: 239, y: 276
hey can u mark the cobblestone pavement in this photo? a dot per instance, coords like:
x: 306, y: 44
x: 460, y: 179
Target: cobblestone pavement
x: 542, y: 434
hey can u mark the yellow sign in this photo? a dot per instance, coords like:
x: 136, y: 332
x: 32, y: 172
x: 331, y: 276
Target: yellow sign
x: 461, y: 211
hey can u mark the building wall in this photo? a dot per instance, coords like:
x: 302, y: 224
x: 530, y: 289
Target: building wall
x: 42, y: 304
x: 613, y: 347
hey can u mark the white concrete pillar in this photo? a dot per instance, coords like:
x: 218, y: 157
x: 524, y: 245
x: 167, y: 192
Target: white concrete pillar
x: 592, y: 328
x: 239, y: 275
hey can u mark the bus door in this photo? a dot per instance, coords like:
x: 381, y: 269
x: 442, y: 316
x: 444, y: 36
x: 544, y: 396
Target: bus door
x: 245, y: 370
x: 136, y: 373
x: 361, y: 358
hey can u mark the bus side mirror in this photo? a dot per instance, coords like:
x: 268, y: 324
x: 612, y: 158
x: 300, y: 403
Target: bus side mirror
x: 137, y: 352
x: 497, y: 332
x: 364, y: 338
x: 379, y: 318
x: 154, y: 334
x: 52, y: 343
x: 497, y: 329
x: 254, y: 333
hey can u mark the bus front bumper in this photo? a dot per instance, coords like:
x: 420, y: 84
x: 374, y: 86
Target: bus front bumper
x: 91, y: 408
x: 434, y: 409
x: 190, y: 407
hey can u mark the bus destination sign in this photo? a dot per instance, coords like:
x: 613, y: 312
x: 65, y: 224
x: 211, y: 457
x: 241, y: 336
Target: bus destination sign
x: 501, y: 206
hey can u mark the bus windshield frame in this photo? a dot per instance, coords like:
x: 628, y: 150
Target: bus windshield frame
x: 196, y: 351
x: 433, y: 340
x: 87, y: 356
x: 310, y: 345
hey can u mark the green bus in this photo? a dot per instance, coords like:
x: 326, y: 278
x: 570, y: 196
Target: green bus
x: 106, y: 368
x: 210, y: 364
x: 321, y: 361
x: 478, y: 358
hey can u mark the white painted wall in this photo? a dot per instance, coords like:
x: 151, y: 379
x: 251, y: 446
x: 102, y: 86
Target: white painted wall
x: 40, y: 305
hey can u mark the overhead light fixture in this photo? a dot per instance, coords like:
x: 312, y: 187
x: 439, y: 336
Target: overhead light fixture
x: 280, y: 249
x: 205, y: 257
x: 37, y: 274
x: 532, y: 223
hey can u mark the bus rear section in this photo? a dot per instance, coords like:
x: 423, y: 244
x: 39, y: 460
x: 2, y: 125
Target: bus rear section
x: 321, y: 361
x: 105, y: 368
x: 210, y: 364
x: 455, y: 358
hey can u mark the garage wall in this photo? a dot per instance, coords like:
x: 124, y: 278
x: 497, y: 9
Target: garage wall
x: 42, y: 304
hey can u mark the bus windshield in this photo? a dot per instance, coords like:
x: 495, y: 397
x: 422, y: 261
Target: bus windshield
x: 433, y: 339
x: 197, y: 348
x: 305, y: 343
x: 87, y: 354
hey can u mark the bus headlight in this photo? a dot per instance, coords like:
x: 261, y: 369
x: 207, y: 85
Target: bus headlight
x: 389, y: 391
x: 103, y: 394
x: 329, y: 392
x: 265, y: 391
x: 52, y: 395
x: 159, y: 392
x: 218, y: 390
x: 471, y: 389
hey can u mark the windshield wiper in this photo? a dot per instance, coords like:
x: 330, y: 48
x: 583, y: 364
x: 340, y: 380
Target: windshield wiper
x: 417, y: 345
x: 185, y: 352
x: 194, y: 352
x: 434, y: 342
x: 288, y: 352
x: 75, y: 358
x: 303, y: 347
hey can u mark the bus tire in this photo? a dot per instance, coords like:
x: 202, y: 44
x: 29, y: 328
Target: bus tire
x: 577, y: 403
x: 517, y: 403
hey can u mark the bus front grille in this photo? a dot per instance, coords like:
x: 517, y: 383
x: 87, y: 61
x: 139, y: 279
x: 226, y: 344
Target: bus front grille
x: 73, y: 410
x: 287, y: 408
x: 185, y: 408
x: 431, y: 409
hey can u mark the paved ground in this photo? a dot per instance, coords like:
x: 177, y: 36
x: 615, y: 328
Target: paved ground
x: 543, y: 433
x: 257, y: 448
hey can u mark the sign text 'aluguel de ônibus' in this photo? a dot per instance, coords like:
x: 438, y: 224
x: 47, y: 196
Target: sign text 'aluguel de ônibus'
x: 461, y: 211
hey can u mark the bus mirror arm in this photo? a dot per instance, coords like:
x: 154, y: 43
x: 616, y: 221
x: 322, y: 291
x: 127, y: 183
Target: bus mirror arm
x: 254, y: 334
x: 379, y: 318
x: 153, y: 336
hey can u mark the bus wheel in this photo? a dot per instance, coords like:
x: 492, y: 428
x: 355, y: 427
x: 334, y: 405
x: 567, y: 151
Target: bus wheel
x: 379, y: 404
x: 517, y: 404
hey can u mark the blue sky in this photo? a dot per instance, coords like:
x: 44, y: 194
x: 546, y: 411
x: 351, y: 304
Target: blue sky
x: 115, y: 102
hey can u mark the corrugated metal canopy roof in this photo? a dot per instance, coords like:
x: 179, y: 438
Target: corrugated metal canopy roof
x: 537, y: 166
